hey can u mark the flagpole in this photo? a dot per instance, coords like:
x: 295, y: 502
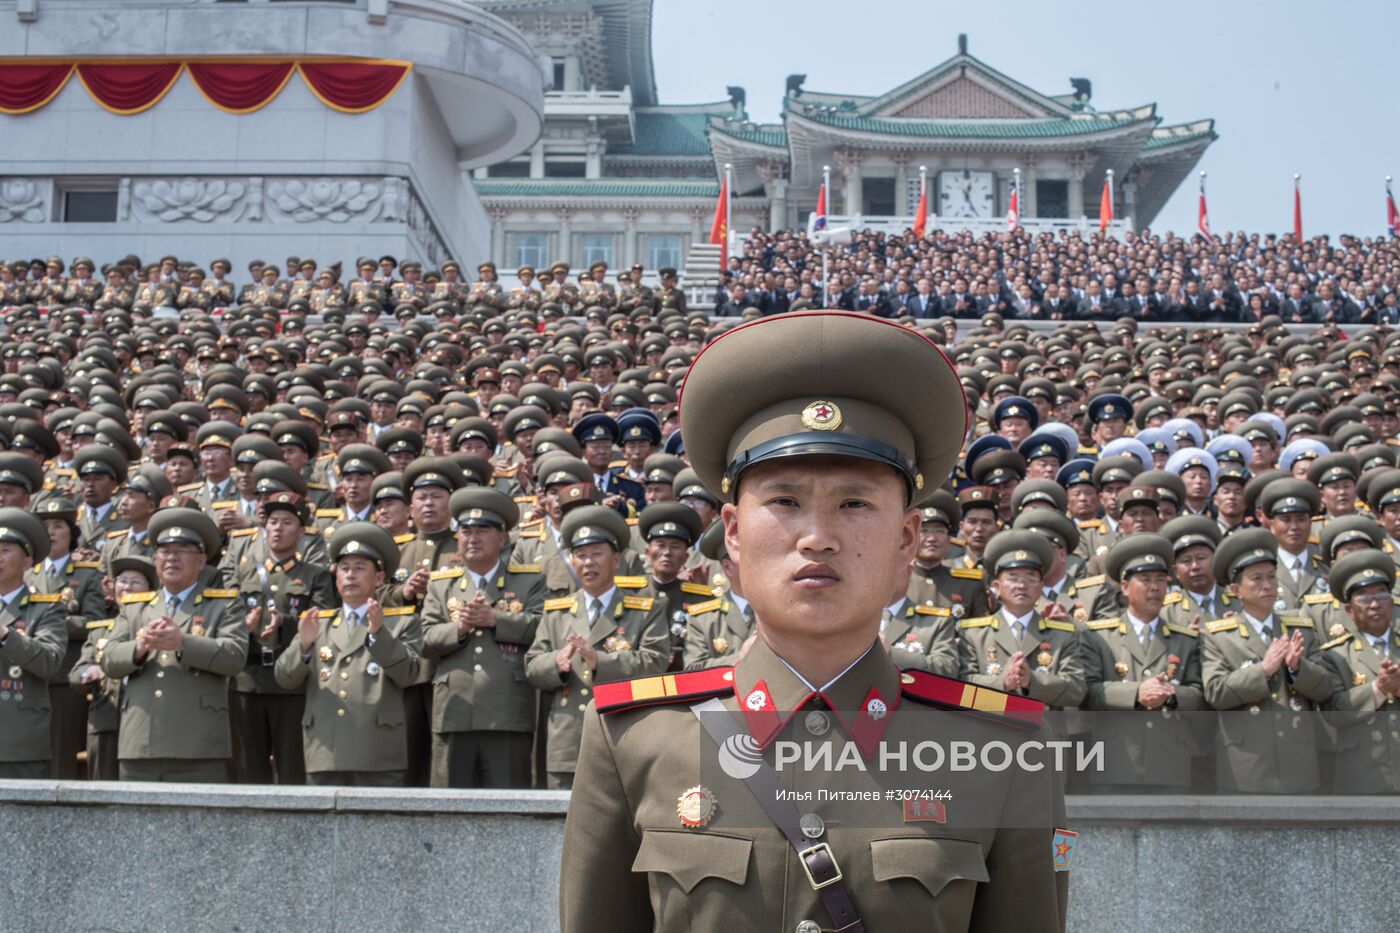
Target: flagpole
x: 728, y: 210
x: 826, y: 276
x: 1112, y: 214
x: 1016, y: 190
x: 1297, y: 208
x: 1389, y: 209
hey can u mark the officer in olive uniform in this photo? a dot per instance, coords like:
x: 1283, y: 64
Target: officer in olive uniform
x: 429, y: 484
x: 175, y: 649
x: 33, y: 636
x: 1288, y: 505
x: 276, y: 590
x: 354, y: 662
x: 1195, y: 597
x: 1260, y: 669
x: 597, y: 635
x: 669, y: 297
x: 358, y: 465
x: 486, y: 290
x: 717, y: 628
x: 919, y: 638
x: 1018, y: 649
x: 98, y: 514
x: 1138, y: 662
x: 1364, y: 667
x: 670, y: 529
x: 78, y: 585
x: 479, y: 617
x: 99, y: 693
x: 1340, y: 537
x: 935, y: 582
x: 526, y: 295
x: 145, y: 490
x: 248, y: 546
x: 675, y: 842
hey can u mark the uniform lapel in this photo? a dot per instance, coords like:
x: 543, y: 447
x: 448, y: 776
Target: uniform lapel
x: 1003, y: 638
x: 339, y: 633
x: 605, y: 625
x: 1156, y: 648
x: 897, y: 628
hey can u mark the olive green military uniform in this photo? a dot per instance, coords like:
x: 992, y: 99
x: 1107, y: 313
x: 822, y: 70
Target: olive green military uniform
x: 31, y: 657
x: 922, y: 638
x: 961, y: 590
x: 632, y: 638
x: 483, y: 710
x: 174, y: 705
x: 1268, y: 741
x: 267, y: 716
x: 438, y: 550
x: 125, y: 543
x: 100, y: 701
x: 93, y: 532
x: 1152, y: 749
x: 247, y: 549
x: 78, y: 586
x: 1368, y: 727
x: 623, y: 835
x: 986, y: 645
x: 1182, y: 607
x: 715, y: 631
x: 353, y: 727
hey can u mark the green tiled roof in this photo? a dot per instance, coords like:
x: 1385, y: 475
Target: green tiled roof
x: 676, y: 134
x: 1160, y: 139
x: 769, y: 135
x: 595, y: 187
x: 960, y: 129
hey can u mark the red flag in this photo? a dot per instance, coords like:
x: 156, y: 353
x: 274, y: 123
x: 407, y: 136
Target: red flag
x: 1297, y: 211
x: 1202, y: 215
x: 921, y: 215
x: 1105, y: 206
x: 719, y: 227
x: 1392, y: 217
x: 1013, y: 211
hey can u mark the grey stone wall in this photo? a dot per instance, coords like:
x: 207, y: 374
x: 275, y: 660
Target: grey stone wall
x: 155, y: 857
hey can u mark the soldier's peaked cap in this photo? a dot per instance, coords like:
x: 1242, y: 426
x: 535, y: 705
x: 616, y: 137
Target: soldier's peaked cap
x: 803, y: 384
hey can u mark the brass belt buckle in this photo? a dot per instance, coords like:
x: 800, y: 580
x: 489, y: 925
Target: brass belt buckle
x: 817, y: 849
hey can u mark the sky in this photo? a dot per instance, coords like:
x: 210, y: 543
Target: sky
x: 1294, y: 87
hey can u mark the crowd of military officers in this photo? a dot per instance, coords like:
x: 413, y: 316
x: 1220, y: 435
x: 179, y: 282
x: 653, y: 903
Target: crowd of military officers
x: 259, y: 546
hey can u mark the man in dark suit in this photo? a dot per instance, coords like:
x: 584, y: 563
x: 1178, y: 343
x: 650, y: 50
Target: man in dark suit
x: 1055, y: 306
x: 1222, y: 300
x: 735, y: 303
x: 1295, y: 307
x: 1096, y: 305
x: 773, y: 301
x: 922, y: 303
x: 871, y: 300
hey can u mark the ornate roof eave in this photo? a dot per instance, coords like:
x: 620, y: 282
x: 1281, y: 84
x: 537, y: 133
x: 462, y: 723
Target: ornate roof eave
x: 808, y: 138
x: 1163, y: 172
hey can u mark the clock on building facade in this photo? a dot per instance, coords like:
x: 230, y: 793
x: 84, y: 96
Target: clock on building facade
x: 967, y: 194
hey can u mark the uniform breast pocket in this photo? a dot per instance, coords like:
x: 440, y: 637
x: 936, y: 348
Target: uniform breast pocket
x: 695, y: 875
x: 948, y: 869
x: 215, y: 703
x: 389, y: 718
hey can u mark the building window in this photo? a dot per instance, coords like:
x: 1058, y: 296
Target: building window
x: 1051, y: 199
x: 879, y: 197
x: 596, y: 247
x: 663, y: 249
x: 564, y: 169
x: 90, y: 207
x: 558, y: 72
x: 530, y: 250
x: 515, y: 169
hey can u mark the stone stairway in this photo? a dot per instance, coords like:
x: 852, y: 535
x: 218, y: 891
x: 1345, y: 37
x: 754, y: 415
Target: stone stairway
x: 700, y: 277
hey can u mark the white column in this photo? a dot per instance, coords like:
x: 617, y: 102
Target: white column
x: 1076, y: 193
x: 902, y: 206
x: 777, y: 205
x: 537, y: 159
x: 498, y: 237
x: 629, y: 238
x: 565, y: 238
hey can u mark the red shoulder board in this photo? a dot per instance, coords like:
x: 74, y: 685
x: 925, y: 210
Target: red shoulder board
x: 988, y: 702
x: 668, y: 688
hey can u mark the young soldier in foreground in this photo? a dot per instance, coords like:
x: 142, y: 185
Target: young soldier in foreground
x: 820, y: 464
